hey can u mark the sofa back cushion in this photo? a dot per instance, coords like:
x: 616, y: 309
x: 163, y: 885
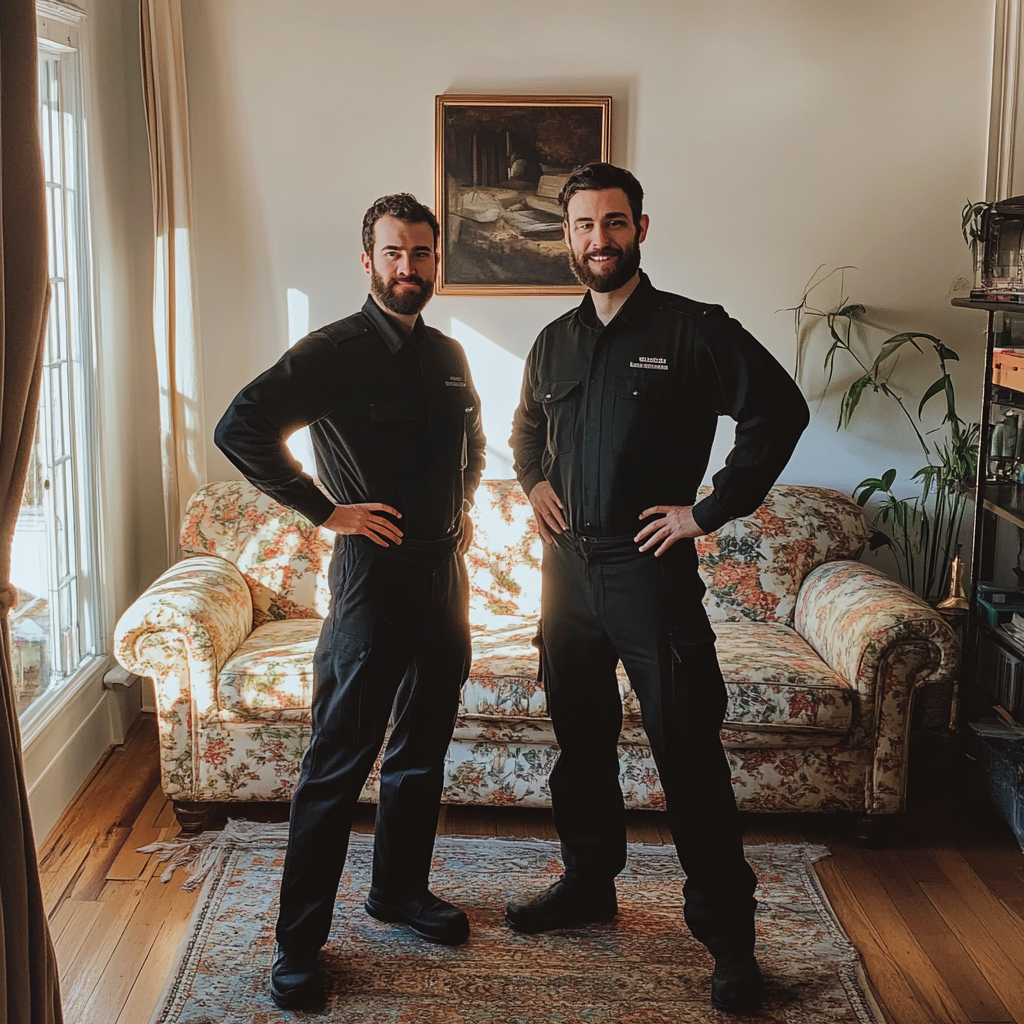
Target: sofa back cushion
x: 504, y: 558
x: 754, y: 567
x: 283, y: 557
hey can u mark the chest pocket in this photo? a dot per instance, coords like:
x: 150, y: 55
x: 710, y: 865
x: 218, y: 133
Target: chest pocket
x: 558, y: 399
x: 642, y: 403
x: 399, y: 433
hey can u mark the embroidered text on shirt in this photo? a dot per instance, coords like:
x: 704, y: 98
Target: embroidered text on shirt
x: 650, y: 363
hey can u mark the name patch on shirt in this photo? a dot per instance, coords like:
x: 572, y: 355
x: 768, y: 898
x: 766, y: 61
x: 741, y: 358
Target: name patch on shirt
x: 455, y: 382
x: 650, y: 363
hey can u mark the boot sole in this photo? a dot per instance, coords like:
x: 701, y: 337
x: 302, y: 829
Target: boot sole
x: 551, y: 924
x: 308, y: 1002
x: 392, y: 915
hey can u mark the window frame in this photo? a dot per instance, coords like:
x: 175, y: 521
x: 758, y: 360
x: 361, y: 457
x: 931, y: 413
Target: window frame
x: 59, y: 37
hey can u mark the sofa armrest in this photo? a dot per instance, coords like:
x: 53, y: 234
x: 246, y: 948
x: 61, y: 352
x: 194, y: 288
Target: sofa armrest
x: 886, y: 643
x: 180, y: 632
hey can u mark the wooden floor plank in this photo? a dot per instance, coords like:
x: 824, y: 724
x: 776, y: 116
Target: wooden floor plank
x: 974, y: 994
x: 86, y: 970
x: 899, y: 999
x: 153, y: 977
x: 82, y: 915
x: 105, y: 850
x: 129, y: 863
x: 921, y: 974
x: 130, y: 953
x: 1002, y: 973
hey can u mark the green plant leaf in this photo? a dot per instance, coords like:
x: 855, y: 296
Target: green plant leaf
x: 933, y: 389
x: 879, y: 539
x: 887, y: 478
x: 851, y: 399
x: 852, y: 311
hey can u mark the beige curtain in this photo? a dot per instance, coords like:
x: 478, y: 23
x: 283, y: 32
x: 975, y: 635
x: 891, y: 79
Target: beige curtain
x: 175, y: 325
x: 29, y: 990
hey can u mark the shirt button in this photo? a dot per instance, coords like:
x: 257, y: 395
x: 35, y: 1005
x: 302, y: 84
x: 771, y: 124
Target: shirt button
x: 547, y: 396
x: 635, y: 393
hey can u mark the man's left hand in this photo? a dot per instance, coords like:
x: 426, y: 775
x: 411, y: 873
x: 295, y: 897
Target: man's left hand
x: 676, y: 523
x: 467, y: 534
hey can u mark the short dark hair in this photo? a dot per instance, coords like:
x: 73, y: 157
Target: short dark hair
x: 595, y: 177
x: 402, y: 206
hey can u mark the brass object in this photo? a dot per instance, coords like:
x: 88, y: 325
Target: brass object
x: 956, y: 599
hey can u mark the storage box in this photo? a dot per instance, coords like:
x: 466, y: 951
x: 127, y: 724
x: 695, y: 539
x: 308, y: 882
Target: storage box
x: 996, y: 755
x: 997, y: 605
x: 1008, y: 368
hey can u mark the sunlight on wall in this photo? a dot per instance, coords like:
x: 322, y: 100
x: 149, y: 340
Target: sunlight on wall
x: 497, y: 375
x: 300, y: 444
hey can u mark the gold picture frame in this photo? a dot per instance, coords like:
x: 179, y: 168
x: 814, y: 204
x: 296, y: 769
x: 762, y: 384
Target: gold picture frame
x: 500, y: 162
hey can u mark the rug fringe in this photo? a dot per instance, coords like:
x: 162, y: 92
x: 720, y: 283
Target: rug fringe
x: 199, y: 855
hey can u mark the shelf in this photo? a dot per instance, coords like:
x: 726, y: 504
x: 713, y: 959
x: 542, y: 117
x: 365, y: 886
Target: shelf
x: 1006, y: 501
x: 1001, y: 307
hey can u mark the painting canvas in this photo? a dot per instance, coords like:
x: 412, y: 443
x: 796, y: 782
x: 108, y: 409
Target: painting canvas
x: 501, y: 164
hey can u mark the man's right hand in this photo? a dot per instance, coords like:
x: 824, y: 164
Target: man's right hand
x: 547, y: 509
x: 363, y: 520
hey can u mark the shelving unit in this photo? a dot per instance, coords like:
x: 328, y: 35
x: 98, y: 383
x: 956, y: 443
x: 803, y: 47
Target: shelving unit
x: 999, y: 507
x: 993, y: 663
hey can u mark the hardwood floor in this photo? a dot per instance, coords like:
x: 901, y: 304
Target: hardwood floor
x: 938, y: 917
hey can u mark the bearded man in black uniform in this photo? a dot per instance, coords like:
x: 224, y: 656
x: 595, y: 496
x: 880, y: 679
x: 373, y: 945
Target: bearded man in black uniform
x: 395, y: 423
x: 620, y: 401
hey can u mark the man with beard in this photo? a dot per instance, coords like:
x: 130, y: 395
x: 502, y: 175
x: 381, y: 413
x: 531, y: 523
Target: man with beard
x: 395, y: 422
x: 620, y: 402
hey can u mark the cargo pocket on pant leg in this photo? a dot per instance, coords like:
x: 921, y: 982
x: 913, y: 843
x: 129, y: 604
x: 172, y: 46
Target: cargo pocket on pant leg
x: 538, y: 642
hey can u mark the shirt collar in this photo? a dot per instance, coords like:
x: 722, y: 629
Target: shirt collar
x: 388, y: 328
x: 631, y: 311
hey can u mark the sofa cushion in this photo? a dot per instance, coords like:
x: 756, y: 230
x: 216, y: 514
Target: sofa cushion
x: 753, y: 567
x: 775, y: 683
x: 270, y: 676
x: 281, y: 555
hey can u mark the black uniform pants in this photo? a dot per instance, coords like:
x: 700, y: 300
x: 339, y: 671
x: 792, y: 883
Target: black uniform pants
x: 396, y: 645
x: 603, y: 601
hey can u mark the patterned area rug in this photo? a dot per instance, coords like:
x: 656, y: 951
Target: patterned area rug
x: 643, y: 968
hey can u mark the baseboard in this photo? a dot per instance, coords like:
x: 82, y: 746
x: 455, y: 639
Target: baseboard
x: 59, y: 755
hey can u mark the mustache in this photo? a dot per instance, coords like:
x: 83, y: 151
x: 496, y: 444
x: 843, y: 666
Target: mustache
x: 607, y: 251
x: 411, y: 279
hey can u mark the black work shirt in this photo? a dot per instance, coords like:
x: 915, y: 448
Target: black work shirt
x: 622, y: 417
x: 394, y: 418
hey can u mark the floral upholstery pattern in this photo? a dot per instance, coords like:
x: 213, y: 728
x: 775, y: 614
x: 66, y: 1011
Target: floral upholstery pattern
x: 281, y: 555
x: 753, y: 567
x: 821, y: 657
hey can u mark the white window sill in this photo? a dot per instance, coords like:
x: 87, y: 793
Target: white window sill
x: 42, y: 711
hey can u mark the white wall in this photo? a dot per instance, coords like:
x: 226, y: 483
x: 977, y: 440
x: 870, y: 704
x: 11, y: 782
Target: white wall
x: 771, y: 136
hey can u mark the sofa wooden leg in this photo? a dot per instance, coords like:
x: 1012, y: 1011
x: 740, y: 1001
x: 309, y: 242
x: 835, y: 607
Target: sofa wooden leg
x: 874, y: 831
x: 191, y: 816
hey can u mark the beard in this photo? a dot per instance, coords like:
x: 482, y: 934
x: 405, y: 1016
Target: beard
x: 405, y: 303
x: 616, y: 274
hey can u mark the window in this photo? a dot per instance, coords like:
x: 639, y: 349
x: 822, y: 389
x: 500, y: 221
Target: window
x: 56, y: 627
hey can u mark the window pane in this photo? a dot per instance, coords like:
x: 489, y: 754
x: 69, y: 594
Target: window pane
x: 30, y: 621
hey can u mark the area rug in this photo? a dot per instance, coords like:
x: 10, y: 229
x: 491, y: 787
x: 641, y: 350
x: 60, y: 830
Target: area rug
x: 642, y: 968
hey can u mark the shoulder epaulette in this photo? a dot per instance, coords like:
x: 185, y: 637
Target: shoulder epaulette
x: 688, y: 307
x: 341, y: 330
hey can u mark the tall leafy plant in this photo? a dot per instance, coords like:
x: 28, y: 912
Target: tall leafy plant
x: 921, y: 529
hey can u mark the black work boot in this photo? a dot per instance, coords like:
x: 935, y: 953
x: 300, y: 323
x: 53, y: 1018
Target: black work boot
x: 431, y: 918
x: 566, y: 903
x: 296, y: 981
x: 737, y: 985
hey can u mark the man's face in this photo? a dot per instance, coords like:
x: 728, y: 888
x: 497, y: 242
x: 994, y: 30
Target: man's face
x: 403, y: 266
x: 603, y: 239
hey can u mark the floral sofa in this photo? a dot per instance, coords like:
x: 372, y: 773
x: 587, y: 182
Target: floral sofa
x: 821, y: 654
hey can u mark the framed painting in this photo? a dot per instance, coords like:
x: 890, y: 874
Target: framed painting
x: 501, y: 162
